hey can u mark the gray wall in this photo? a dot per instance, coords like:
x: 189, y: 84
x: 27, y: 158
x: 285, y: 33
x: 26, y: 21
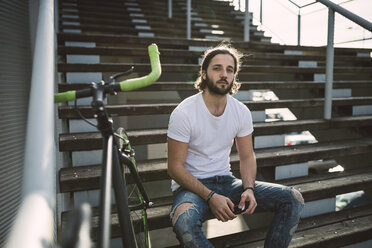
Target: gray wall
x: 15, y: 77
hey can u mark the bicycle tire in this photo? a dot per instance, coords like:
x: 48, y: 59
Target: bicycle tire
x: 137, y: 211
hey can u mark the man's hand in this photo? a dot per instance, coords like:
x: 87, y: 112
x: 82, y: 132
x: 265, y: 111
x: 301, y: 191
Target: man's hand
x: 222, y: 207
x: 248, y: 199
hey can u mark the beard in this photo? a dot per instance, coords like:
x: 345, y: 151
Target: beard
x: 213, y: 88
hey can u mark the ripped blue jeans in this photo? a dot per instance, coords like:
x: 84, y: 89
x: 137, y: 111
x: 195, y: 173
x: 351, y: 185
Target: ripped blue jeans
x: 285, y: 202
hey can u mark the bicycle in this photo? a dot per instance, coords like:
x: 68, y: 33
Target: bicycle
x: 131, y: 198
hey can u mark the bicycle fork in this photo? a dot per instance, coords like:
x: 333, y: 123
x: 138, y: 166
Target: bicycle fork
x: 112, y: 176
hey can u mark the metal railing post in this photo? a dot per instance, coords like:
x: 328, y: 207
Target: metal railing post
x: 329, y: 66
x: 299, y: 28
x: 170, y: 14
x: 261, y: 12
x: 34, y: 224
x: 246, y: 21
x: 188, y: 19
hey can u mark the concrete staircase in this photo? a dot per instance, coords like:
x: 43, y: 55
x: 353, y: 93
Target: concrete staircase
x: 99, y: 38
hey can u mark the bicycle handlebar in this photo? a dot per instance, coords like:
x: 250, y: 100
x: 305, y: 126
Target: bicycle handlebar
x: 129, y: 84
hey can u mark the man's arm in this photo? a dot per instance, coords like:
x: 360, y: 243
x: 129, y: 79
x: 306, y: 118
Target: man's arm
x: 248, y: 169
x: 177, y: 151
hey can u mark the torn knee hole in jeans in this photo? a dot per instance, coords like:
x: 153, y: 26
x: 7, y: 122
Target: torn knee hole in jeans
x: 180, y: 210
x: 297, y: 195
x: 293, y: 229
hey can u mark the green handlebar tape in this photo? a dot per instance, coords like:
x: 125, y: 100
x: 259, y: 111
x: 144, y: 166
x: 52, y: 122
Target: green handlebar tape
x: 65, y: 96
x: 135, y: 83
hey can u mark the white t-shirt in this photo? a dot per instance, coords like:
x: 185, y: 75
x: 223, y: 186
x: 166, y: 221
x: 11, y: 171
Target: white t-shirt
x: 209, y: 137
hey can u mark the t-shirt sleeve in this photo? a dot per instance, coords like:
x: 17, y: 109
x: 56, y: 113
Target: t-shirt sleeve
x: 179, y: 126
x: 246, y: 123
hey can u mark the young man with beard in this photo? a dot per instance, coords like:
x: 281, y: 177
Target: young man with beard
x: 201, y: 132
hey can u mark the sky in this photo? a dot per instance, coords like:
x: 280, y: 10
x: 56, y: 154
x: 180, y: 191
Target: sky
x: 280, y: 22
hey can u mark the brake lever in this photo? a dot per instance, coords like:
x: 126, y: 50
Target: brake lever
x: 121, y: 74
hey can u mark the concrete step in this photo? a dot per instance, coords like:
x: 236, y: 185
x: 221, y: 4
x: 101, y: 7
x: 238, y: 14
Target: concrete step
x: 118, y: 67
x: 336, y: 229
x: 69, y: 112
x: 87, y: 178
x: 251, y: 58
x: 185, y: 43
x: 259, y: 85
x: 318, y: 188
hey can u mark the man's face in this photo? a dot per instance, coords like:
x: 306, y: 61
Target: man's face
x: 220, y: 74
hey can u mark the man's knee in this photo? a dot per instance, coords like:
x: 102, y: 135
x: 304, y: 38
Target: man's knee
x: 298, y: 201
x: 182, y: 208
x: 297, y: 195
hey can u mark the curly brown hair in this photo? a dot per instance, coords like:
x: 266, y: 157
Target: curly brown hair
x: 200, y: 83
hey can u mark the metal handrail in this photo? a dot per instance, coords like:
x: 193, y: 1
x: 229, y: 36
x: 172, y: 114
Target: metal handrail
x: 34, y: 225
x: 349, y: 15
x: 332, y: 8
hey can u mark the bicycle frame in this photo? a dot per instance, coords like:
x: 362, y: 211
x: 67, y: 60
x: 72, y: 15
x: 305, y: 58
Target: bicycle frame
x: 111, y: 175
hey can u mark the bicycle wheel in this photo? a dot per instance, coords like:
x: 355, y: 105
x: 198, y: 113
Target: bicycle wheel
x: 138, y: 214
